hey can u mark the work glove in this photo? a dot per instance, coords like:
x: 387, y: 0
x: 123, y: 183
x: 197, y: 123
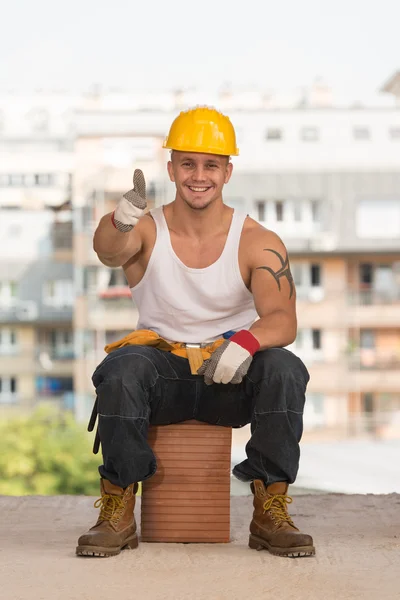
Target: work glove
x: 132, y: 205
x: 230, y: 362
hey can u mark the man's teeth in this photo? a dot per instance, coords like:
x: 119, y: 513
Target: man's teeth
x: 198, y: 189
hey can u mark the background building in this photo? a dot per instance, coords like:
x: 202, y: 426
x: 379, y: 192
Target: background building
x: 36, y: 270
x: 325, y: 178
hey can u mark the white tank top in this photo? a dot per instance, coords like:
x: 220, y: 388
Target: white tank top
x: 193, y: 305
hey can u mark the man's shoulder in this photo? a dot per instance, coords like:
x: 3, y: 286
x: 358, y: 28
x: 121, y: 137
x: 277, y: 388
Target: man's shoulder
x: 254, y: 233
x: 256, y: 240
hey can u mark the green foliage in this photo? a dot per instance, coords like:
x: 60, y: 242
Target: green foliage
x: 47, y: 453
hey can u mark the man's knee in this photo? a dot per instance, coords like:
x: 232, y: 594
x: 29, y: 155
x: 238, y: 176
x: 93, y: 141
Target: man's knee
x: 122, y: 381
x: 279, y: 380
x: 128, y: 365
x: 278, y: 362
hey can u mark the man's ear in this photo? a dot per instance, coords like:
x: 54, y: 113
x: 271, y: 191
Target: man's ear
x: 229, y: 169
x: 170, y: 170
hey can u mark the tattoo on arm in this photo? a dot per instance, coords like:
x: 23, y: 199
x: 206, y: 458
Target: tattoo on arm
x: 284, y: 271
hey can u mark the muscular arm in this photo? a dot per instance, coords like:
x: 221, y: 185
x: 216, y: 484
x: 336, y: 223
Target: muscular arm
x: 113, y: 247
x: 273, y: 290
x: 117, y: 237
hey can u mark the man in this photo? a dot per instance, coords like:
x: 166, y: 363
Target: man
x: 200, y: 273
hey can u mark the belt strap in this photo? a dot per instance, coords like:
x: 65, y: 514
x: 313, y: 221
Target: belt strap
x: 195, y: 357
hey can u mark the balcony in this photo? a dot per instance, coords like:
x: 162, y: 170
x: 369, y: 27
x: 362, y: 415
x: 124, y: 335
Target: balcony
x: 17, y: 311
x: 327, y: 377
x: 371, y: 297
x: 29, y: 311
x: 349, y: 374
x: 373, y: 308
x: 32, y: 197
x: 370, y: 369
x: 372, y: 360
x: 112, y: 308
x: 54, y: 360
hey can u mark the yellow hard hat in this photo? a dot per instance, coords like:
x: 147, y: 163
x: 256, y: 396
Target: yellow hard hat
x: 202, y: 129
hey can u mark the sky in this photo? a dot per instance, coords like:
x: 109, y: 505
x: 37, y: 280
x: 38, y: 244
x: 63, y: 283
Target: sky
x: 354, y: 45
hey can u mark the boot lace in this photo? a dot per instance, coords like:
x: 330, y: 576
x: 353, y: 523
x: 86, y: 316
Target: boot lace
x: 276, y: 506
x: 111, y: 507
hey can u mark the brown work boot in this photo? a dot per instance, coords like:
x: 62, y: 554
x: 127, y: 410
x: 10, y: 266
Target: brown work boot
x: 271, y: 527
x: 116, y: 527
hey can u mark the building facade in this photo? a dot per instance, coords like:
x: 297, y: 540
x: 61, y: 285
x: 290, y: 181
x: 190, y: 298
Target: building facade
x: 36, y: 269
x: 325, y: 178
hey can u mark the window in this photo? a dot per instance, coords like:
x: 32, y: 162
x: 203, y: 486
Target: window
x: 8, y: 341
x: 44, y: 179
x: 58, y: 293
x: 91, y: 279
x: 8, y: 390
x: 274, y: 133
x: 300, y: 338
x: 308, y: 281
x: 117, y: 278
x: 315, y: 275
x: 53, y: 386
x: 366, y: 274
x: 8, y: 293
x: 16, y: 180
x: 151, y: 189
x: 394, y: 133
x: 385, y: 284
x: 29, y: 180
x: 378, y: 218
x: 317, y: 400
x: 26, y: 180
x: 113, y: 335
x: 361, y: 133
x: 279, y: 210
x: 309, y: 134
x: 261, y: 212
x: 316, y: 211
x: 297, y: 272
x: 367, y: 402
x: 367, y: 339
x: 308, y: 344
x: 59, y: 343
x: 314, y: 411
x: 298, y: 211
x: 386, y: 402
x: 316, y: 339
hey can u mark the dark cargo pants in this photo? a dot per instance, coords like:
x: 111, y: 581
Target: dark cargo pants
x: 139, y: 385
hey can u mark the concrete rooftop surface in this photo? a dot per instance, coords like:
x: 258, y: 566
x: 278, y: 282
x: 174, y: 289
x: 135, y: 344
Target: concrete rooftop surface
x: 357, y: 540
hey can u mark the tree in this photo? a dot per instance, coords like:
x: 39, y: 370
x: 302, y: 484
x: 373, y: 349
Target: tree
x: 47, y: 453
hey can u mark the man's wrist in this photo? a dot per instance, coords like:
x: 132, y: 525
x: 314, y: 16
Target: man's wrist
x: 120, y: 226
x: 246, y: 340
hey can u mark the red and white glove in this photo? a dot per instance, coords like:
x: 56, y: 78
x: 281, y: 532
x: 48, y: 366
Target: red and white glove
x: 132, y: 205
x: 231, y: 361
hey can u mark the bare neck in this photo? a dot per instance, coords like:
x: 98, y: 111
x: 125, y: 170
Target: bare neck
x: 197, y: 224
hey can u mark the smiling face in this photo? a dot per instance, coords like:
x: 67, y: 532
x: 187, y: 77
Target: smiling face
x: 199, y: 178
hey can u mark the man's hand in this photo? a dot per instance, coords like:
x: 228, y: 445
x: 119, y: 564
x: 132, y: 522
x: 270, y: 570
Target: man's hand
x: 132, y: 205
x: 231, y: 361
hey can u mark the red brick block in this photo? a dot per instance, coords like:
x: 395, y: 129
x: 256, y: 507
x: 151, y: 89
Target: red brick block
x: 188, y: 499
